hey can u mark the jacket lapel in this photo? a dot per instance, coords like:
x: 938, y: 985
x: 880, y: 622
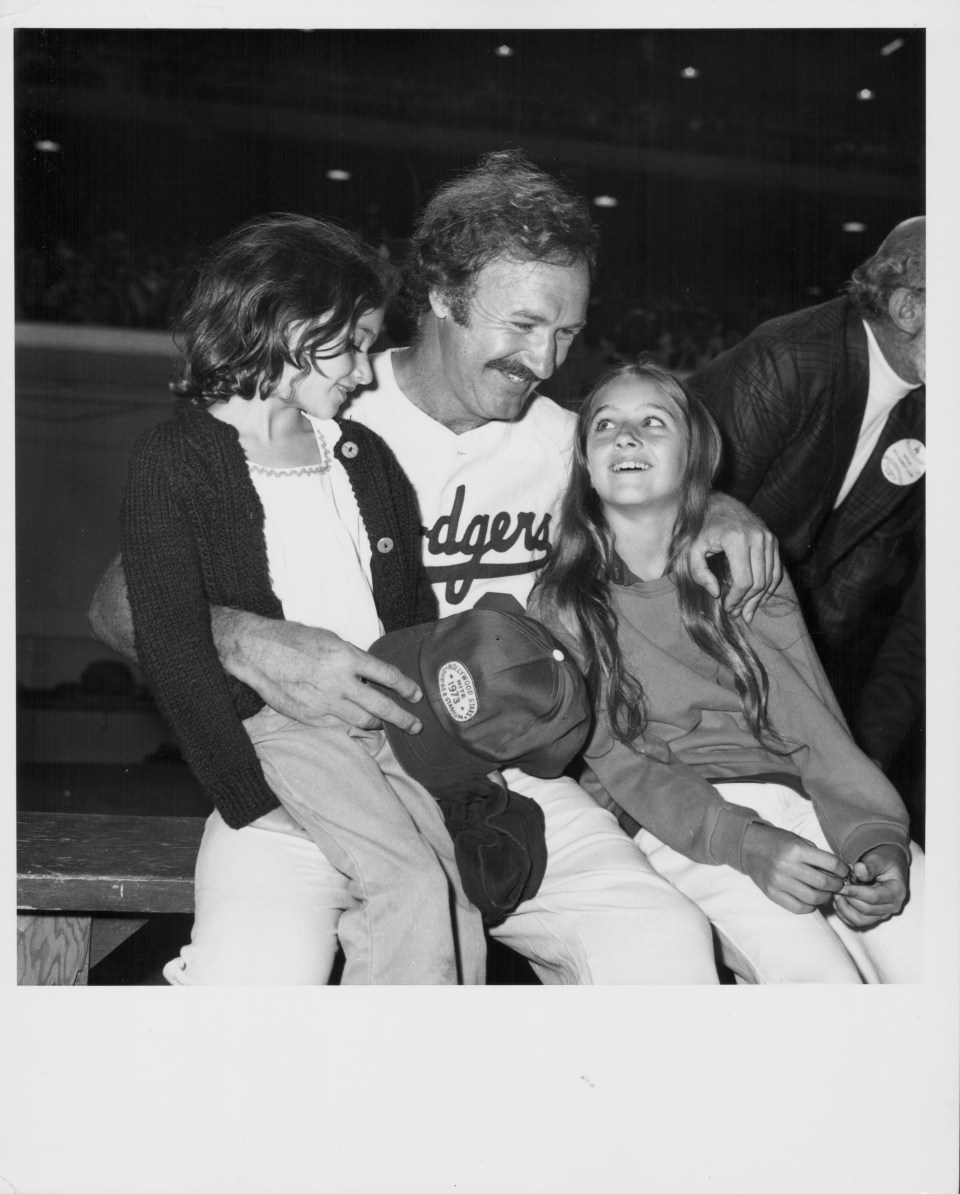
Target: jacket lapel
x: 874, y: 494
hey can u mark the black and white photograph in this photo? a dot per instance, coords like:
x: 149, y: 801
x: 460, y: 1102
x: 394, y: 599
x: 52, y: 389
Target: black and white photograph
x: 468, y: 528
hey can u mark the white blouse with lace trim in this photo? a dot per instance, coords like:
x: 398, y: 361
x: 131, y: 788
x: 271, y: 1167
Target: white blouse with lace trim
x: 318, y: 551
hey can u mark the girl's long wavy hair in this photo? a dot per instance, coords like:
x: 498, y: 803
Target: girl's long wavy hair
x: 575, y: 582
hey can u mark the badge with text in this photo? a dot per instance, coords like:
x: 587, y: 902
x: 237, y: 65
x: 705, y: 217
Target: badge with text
x: 457, y: 691
x: 904, y: 462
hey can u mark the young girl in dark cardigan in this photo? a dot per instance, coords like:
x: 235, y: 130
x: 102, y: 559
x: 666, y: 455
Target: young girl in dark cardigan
x: 720, y: 744
x: 256, y: 497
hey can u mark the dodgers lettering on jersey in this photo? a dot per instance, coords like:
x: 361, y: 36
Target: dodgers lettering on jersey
x: 487, y: 497
x: 482, y: 535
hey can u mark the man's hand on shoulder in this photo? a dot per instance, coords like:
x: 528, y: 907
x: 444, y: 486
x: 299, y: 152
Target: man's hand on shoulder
x: 310, y: 674
x: 751, y: 550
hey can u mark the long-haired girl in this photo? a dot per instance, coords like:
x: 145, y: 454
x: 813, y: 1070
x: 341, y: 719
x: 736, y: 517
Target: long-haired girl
x: 719, y: 744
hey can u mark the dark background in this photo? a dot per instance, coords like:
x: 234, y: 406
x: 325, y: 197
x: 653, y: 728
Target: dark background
x: 733, y: 186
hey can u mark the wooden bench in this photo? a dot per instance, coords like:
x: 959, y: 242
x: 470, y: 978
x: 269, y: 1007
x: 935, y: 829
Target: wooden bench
x: 97, y: 855
x: 101, y: 848
x: 86, y: 881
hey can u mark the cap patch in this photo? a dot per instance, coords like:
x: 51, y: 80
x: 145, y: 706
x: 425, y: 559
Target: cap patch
x: 457, y: 691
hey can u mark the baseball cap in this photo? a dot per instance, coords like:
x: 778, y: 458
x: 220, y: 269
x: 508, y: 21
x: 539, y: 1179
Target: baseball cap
x: 498, y: 691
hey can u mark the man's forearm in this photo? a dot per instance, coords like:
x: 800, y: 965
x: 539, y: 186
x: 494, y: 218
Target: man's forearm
x: 306, y: 673
x: 236, y: 641
x: 109, y: 615
x: 111, y: 619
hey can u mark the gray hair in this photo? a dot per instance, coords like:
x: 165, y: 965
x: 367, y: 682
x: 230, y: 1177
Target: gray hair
x: 900, y: 262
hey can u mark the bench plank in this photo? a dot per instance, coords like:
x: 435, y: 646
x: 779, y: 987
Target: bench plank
x: 95, y: 863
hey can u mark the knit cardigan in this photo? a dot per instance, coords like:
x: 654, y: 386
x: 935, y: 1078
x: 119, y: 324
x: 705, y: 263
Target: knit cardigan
x: 193, y: 537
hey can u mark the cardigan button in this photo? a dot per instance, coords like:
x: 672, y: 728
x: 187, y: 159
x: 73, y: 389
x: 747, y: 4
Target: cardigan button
x: 349, y: 449
x: 384, y: 545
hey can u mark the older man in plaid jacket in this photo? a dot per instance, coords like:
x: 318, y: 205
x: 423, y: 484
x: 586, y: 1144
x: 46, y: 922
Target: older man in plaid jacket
x: 822, y: 413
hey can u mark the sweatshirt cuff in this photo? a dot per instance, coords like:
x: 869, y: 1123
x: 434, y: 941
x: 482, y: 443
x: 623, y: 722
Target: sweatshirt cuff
x: 867, y: 837
x: 726, y: 840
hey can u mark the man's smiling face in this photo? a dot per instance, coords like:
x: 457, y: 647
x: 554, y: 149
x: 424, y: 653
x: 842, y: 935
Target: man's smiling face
x: 520, y: 322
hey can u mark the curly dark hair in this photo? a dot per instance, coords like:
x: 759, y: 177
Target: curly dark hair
x: 280, y: 289
x: 901, y: 261
x: 505, y: 207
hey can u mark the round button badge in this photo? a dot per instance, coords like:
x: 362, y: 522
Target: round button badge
x: 904, y: 462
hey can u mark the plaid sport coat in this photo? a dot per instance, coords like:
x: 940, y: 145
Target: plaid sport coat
x: 789, y: 400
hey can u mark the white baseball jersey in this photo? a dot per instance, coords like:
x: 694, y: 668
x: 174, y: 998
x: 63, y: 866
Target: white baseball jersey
x: 488, y: 497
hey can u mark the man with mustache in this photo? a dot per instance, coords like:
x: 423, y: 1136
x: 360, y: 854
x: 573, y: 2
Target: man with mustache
x: 499, y: 278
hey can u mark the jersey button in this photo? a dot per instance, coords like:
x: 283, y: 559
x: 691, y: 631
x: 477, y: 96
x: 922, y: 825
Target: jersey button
x: 349, y: 449
x: 384, y: 545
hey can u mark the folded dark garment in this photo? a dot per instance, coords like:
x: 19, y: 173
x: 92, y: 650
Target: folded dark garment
x: 499, y: 842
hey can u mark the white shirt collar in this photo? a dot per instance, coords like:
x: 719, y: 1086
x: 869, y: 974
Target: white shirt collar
x: 885, y: 383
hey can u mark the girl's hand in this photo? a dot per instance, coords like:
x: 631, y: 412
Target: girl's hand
x: 878, y: 889
x: 789, y: 870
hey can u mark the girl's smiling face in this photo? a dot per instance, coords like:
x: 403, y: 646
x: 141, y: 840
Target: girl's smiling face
x: 636, y: 445
x: 331, y: 379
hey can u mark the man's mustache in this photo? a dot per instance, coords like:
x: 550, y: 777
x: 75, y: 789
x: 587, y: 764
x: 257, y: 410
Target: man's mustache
x: 514, y: 368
